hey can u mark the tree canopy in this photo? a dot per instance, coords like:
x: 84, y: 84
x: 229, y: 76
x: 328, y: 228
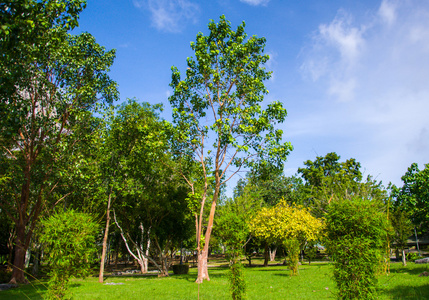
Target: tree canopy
x: 50, y: 81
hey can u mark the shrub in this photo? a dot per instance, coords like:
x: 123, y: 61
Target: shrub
x: 411, y: 256
x: 70, y: 247
x: 356, y: 232
x: 237, y: 285
x: 292, y: 259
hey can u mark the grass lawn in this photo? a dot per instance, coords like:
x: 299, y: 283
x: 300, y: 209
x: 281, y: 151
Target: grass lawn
x: 313, y: 282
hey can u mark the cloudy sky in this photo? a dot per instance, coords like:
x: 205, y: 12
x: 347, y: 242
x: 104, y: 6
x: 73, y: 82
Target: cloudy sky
x: 353, y: 75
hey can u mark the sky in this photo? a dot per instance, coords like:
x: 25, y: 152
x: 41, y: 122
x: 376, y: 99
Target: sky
x: 353, y: 75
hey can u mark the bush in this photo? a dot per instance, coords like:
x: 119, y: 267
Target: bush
x: 411, y: 256
x: 70, y: 247
x: 292, y: 259
x: 356, y: 233
x: 237, y: 285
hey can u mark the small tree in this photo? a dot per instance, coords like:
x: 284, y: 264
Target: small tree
x: 402, y: 226
x: 356, y: 235
x: 290, y: 225
x: 70, y: 247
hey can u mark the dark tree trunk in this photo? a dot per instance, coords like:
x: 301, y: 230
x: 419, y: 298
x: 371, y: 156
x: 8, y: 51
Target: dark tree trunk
x: 19, y: 260
x: 266, y: 255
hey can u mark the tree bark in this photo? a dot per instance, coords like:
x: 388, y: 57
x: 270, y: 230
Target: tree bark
x: 404, y: 260
x: 19, y: 260
x: 12, y: 236
x: 266, y: 255
x: 106, y: 234
x: 273, y: 253
x: 203, y: 273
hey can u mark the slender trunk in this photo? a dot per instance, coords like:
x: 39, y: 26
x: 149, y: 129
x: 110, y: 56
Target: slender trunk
x: 12, y: 236
x: 404, y: 260
x: 266, y: 255
x: 203, y: 273
x: 27, y: 257
x: 106, y: 234
x: 118, y: 243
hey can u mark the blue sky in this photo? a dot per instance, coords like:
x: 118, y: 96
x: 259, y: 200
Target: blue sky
x: 353, y: 75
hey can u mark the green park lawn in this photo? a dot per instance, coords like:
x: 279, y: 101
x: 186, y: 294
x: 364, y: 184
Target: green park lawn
x: 274, y: 282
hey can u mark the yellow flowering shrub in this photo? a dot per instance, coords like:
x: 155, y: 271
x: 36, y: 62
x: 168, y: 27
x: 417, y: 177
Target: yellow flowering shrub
x: 284, y: 223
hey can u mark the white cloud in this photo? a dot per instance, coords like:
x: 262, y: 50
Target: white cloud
x: 169, y: 15
x: 380, y: 76
x: 387, y: 12
x: 256, y: 2
x: 335, y: 52
x: 346, y: 38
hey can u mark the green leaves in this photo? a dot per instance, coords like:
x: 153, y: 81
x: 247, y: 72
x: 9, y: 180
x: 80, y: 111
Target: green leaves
x: 225, y: 81
x: 414, y: 195
x: 356, y: 237
x: 70, y: 248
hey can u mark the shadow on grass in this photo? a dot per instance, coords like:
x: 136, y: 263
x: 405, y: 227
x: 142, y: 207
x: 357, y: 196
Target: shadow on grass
x: 286, y: 274
x: 413, y: 271
x: 408, y: 292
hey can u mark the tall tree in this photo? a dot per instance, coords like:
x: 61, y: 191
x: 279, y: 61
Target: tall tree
x: 217, y: 108
x: 50, y: 81
x: 414, y: 195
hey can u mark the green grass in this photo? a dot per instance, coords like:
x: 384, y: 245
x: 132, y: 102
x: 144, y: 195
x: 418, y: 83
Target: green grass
x: 313, y: 282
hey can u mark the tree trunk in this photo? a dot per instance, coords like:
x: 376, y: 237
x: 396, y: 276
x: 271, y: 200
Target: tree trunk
x: 27, y: 257
x: 203, y: 273
x: 19, y: 260
x: 404, y: 260
x: 106, y: 234
x: 273, y: 253
x: 144, y: 265
x: 266, y: 255
x: 12, y: 237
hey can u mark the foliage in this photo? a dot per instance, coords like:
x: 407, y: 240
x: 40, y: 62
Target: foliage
x: 414, y: 195
x: 50, y: 82
x: 231, y: 224
x: 402, y: 227
x: 328, y: 180
x: 356, y: 234
x: 269, y: 183
x: 217, y: 110
x: 286, y: 224
x: 137, y: 167
x: 69, y: 239
x: 237, y: 284
x: 293, y: 248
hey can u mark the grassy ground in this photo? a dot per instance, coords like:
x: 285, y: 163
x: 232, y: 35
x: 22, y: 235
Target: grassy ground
x: 314, y: 282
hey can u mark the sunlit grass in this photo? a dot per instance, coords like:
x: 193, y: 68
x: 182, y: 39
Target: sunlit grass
x: 274, y: 282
